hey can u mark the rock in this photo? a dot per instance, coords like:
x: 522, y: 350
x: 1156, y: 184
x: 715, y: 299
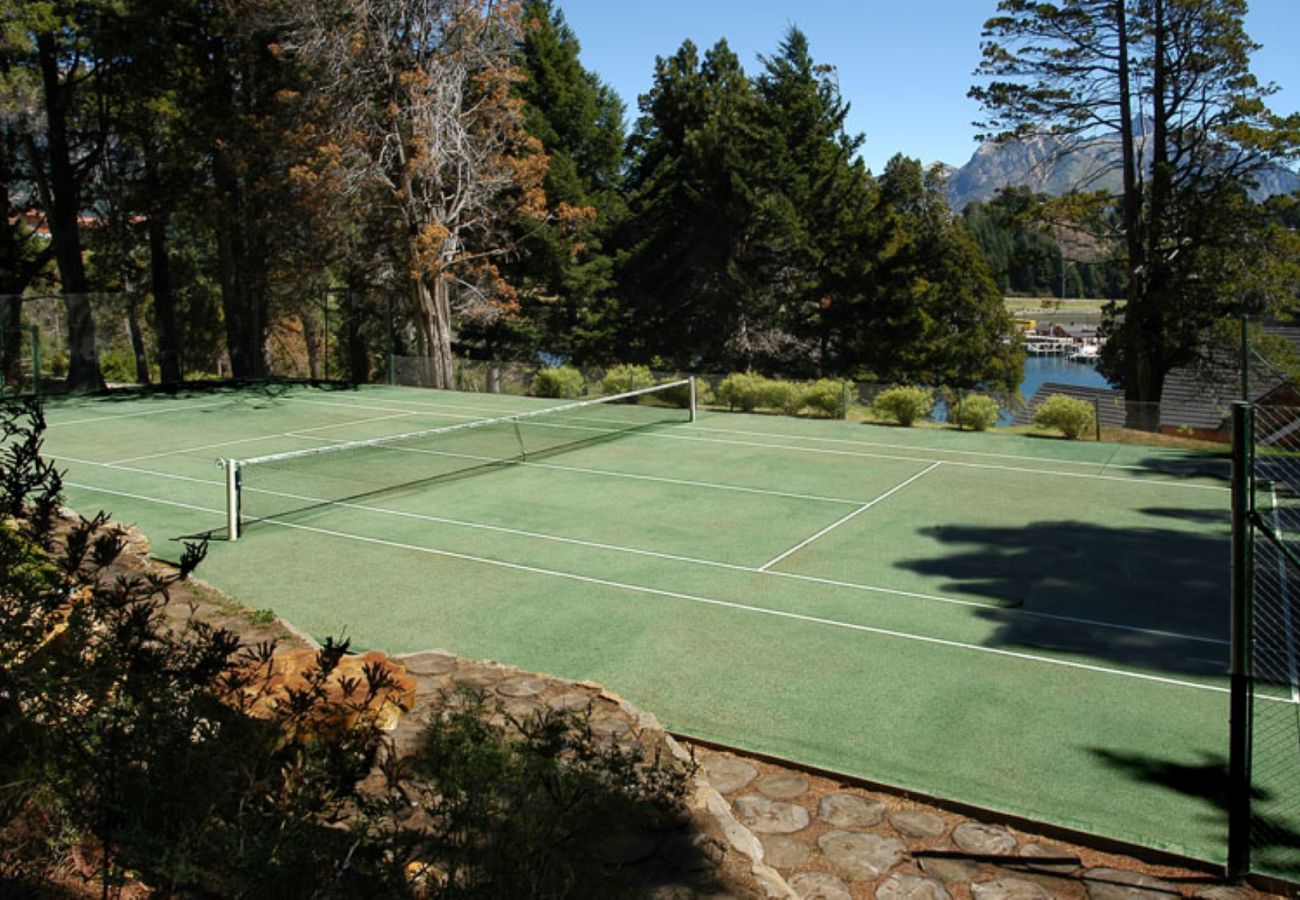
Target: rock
x: 783, y: 852
x: 766, y: 816
x: 861, y: 856
x: 850, y: 811
x: 917, y: 823
x: 688, y: 852
x: 782, y: 785
x: 728, y: 774
x: 1221, y: 892
x: 611, y: 727
x: 1045, y: 858
x: 521, y: 687
x: 1118, y: 884
x: 432, y: 663
x: 902, y: 886
x: 820, y: 886
x: 1009, y: 889
x: 573, y: 701
x: 978, y: 839
x: 948, y: 869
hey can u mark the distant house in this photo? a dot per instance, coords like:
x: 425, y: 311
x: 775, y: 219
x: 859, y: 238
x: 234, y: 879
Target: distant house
x: 1198, y: 403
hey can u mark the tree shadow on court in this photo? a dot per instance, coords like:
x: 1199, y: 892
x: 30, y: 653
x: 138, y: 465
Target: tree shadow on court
x: 1208, y: 782
x: 1209, y: 467
x: 1151, y: 598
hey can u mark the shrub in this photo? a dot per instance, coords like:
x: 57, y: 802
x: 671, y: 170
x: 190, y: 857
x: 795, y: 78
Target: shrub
x: 826, y: 397
x: 977, y: 412
x: 743, y: 390
x: 560, y: 382
x: 905, y: 404
x: 621, y: 379
x: 782, y: 395
x: 1070, y: 414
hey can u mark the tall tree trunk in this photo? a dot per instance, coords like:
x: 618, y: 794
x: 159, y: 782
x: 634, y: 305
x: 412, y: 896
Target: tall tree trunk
x: 433, y: 310
x: 1138, y: 371
x: 164, y: 299
x: 136, y: 337
x: 358, y: 356
x: 62, y: 209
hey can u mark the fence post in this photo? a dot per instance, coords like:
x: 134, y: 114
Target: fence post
x: 392, y: 349
x: 1239, y: 714
x: 1096, y: 416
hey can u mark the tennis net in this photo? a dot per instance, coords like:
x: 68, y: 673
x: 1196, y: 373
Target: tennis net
x: 359, y: 473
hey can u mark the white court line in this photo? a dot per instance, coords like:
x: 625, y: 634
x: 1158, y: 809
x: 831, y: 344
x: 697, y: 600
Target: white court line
x: 1288, y: 626
x: 829, y: 440
x: 678, y: 434
x: 135, y: 415
x: 707, y: 601
x: 749, y: 570
x: 298, y: 433
x: 857, y: 512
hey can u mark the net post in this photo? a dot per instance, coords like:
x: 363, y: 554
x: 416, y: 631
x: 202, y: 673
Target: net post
x: 693, y: 399
x: 232, y: 498
x: 1239, y: 704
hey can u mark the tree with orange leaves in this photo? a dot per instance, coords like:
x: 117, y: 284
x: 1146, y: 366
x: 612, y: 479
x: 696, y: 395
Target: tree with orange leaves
x: 428, y: 129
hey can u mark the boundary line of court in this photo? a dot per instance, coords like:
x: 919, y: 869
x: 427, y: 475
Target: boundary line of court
x: 706, y: 601
x: 303, y: 433
x: 674, y: 434
x: 819, y: 439
x: 828, y: 451
x: 853, y: 515
x: 749, y: 570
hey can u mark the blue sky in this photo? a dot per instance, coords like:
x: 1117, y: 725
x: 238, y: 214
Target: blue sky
x: 904, y: 65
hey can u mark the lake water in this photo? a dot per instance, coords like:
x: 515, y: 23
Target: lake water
x: 1042, y: 369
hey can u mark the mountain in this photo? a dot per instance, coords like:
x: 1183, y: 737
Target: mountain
x: 1036, y: 163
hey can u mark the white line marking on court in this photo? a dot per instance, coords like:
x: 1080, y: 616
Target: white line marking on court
x: 706, y: 601
x: 888, y: 446
x: 829, y: 440
x: 135, y: 415
x: 709, y: 485
x: 614, y: 548
x: 1154, y: 482
x: 1288, y: 628
x: 298, y: 433
x: 950, y: 463
x: 857, y: 512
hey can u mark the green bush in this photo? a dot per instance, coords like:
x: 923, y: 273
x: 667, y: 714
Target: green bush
x: 621, y: 379
x: 904, y: 404
x: 1070, y: 414
x: 826, y: 397
x: 560, y: 382
x: 976, y: 412
x: 743, y: 390
x: 783, y: 395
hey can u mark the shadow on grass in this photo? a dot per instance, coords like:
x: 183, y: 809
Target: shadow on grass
x: 1152, y: 598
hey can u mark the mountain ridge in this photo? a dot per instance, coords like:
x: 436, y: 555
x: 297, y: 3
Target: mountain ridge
x: 1037, y: 163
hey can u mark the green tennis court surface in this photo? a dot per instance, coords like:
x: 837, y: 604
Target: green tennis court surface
x: 1030, y: 625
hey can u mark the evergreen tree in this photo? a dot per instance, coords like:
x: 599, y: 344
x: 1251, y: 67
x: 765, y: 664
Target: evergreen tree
x: 820, y: 196
x: 702, y: 247
x: 563, y: 273
x: 937, y: 316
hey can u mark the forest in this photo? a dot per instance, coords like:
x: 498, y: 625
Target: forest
x: 222, y: 185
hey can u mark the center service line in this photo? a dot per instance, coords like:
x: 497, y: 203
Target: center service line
x: 857, y: 512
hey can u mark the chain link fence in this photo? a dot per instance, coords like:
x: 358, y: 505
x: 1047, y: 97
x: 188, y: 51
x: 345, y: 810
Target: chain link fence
x: 1270, y: 834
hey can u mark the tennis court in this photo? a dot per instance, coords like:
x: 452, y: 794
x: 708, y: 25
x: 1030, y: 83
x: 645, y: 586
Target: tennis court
x: 1030, y: 625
